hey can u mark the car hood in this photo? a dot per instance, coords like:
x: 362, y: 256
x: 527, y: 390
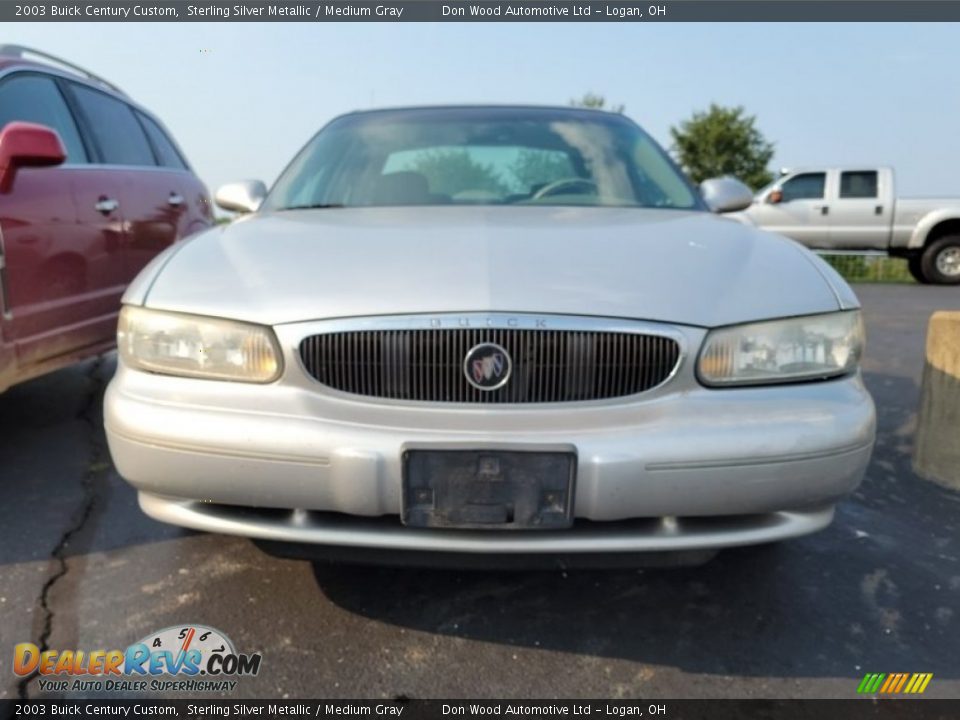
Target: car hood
x: 663, y: 265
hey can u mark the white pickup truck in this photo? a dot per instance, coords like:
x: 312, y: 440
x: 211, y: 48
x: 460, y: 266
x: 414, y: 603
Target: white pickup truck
x: 855, y: 209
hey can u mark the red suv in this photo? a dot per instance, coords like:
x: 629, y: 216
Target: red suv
x: 92, y: 187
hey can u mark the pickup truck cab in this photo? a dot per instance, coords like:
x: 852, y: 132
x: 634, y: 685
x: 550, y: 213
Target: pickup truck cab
x: 856, y: 208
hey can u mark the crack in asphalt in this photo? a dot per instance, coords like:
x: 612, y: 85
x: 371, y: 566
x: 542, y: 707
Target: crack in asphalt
x: 88, y: 415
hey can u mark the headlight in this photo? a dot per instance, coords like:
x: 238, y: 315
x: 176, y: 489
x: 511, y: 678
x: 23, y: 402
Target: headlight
x: 803, y: 348
x: 196, y: 346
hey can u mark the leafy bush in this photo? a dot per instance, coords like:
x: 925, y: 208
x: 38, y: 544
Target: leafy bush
x: 870, y: 268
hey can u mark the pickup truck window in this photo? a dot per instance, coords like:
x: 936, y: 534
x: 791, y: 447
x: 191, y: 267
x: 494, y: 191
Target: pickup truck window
x: 808, y: 186
x: 858, y: 184
x: 36, y: 99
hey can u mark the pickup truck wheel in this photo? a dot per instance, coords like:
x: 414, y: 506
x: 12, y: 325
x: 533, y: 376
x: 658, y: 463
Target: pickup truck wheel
x: 940, y: 261
x: 916, y: 272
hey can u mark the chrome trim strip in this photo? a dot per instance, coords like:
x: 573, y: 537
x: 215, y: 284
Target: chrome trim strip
x: 128, y: 168
x: 509, y: 321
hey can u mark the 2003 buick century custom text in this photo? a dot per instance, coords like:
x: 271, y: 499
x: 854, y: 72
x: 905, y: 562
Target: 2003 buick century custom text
x: 500, y: 331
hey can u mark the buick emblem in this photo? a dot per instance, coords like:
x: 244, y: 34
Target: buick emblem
x: 487, y: 366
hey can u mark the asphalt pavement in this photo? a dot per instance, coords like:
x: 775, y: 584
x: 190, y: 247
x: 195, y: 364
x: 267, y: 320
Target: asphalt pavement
x: 879, y: 591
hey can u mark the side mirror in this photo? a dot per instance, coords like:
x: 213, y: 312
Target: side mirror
x: 25, y: 144
x: 726, y: 194
x: 775, y: 197
x: 242, y: 197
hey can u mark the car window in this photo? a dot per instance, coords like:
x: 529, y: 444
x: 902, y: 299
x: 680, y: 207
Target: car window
x: 37, y: 99
x: 858, y: 184
x: 808, y: 186
x: 117, y: 133
x: 464, y: 172
x: 481, y: 156
x: 165, y: 149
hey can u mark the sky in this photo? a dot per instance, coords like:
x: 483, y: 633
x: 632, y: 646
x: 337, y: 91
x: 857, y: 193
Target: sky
x: 242, y: 98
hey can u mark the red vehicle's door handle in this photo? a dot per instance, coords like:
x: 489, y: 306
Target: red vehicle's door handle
x: 175, y: 200
x: 106, y: 205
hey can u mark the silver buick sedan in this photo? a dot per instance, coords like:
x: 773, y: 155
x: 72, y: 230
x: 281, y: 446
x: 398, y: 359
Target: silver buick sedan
x: 505, y: 332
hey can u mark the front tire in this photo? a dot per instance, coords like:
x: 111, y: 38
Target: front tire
x: 916, y: 272
x: 940, y: 262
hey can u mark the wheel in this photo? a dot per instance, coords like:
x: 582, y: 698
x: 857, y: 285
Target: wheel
x: 940, y: 262
x: 913, y: 265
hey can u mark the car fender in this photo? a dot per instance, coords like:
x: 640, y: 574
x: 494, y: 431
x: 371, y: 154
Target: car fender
x: 741, y: 217
x: 918, y: 238
x: 136, y: 292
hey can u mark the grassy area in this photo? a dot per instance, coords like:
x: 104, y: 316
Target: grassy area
x: 870, y: 268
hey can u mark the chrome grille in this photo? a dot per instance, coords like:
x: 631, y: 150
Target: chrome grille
x: 548, y: 365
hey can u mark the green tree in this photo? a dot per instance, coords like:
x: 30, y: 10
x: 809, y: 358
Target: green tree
x: 534, y: 168
x: 597, y: 102
x: 454, y: 171
x: 723, y: 141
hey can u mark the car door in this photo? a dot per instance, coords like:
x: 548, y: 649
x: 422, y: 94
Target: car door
x: 797, y: 211
x: 177, y: 186
x: 63, y: 267
x: 858, y: 217
x: 150, y: 203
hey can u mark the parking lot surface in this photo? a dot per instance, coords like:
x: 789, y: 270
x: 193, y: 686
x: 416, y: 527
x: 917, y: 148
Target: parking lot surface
x: 879, y: 591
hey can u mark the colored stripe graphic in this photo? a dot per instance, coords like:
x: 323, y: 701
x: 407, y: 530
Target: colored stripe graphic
x: 918, y: 683
x: 868, y: 682
x: 893, y: 683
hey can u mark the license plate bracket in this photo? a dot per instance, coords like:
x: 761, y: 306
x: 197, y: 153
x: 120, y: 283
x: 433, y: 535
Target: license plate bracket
x: 488, y: 489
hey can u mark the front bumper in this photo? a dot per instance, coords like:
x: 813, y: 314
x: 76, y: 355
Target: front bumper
x: 286, y: 462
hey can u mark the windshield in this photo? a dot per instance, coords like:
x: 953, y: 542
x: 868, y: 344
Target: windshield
x: 476, y: 156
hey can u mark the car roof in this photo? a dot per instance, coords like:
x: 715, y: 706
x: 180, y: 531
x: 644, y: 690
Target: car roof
x: 18, y: 57
x: 8, y: 61
x: 492, y: 110
x: 848, y: 167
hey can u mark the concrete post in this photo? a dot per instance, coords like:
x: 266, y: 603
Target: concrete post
x: 936, y: 453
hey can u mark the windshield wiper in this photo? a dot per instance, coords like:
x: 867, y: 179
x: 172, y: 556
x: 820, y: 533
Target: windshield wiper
x: 315, y: 206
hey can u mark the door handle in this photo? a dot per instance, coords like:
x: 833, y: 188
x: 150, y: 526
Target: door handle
x: 878, y: 210
x: 175, y: 200
x: 824, y: 209
x: 106, y: 205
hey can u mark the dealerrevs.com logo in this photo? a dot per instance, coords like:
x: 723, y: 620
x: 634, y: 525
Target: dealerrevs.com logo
x: 187, y: 658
